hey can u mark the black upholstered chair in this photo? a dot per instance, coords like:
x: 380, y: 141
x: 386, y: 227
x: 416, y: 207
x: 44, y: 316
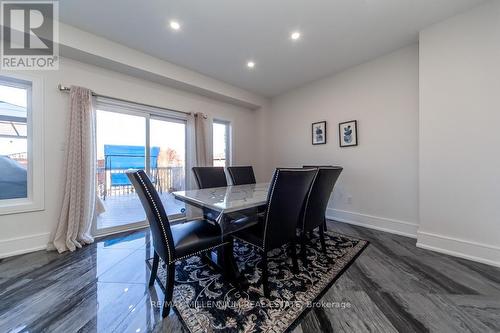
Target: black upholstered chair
x: 313, y: 215
x: 287, y: 195
x: 171, y: 243
x: 241, y: 175
x: 208, y: 177
x: 320, y: 166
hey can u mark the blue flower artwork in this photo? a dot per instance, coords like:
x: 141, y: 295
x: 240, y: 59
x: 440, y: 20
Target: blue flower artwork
x: 319, y: 133
x: 348, y: 133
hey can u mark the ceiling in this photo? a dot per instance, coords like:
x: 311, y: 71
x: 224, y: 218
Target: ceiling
x: 218, y: 37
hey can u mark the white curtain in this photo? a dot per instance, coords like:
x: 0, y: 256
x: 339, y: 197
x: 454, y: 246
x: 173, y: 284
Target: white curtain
x: 200, y: 141
x: 200, y: 152
x: 203, y: 140
x: 78, y: 209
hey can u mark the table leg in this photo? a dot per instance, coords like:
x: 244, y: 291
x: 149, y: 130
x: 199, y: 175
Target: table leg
x: 230, y: 268
x: 225, y: 258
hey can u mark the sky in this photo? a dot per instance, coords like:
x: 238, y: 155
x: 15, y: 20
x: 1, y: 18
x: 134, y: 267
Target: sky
x: 16, y: 96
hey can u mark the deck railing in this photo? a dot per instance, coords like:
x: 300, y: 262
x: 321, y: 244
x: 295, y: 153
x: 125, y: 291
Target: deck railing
x: 165, y: 179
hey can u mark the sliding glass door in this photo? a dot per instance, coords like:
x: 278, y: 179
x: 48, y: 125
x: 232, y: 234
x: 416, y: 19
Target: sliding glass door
x: 128, y: 139
x: 168, y: 161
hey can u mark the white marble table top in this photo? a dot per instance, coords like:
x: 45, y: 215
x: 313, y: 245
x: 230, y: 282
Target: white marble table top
x: 227, y: 199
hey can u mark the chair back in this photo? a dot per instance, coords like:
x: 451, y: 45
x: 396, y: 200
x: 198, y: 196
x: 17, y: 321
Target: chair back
x: 241, y: 175
x: 315, y: 207
x: 286, y: 198
x: 155, y: 212
x: 208, y: 177
x: 321, y: 166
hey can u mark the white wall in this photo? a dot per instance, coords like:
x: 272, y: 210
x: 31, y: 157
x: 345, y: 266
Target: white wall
x: 460, y: 135
x: 380, y: 175
x: 28, y: 231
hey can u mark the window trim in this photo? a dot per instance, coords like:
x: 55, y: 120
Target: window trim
x: 35, y: 137
x: 229, y: 151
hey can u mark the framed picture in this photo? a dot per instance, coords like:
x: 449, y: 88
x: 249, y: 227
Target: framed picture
x: 348, y: 133
x: 319, y: 133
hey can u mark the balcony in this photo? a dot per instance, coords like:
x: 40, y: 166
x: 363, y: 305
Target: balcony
x: 122, y: 203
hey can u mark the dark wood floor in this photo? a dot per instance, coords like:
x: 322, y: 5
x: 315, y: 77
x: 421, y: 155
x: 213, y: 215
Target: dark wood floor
x: 393, y: 286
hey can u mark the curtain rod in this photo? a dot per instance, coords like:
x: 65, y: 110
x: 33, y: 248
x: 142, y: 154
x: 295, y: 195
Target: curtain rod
x: 66, y: 89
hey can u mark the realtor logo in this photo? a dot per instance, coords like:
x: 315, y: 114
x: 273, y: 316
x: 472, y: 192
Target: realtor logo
x: 30, y: 35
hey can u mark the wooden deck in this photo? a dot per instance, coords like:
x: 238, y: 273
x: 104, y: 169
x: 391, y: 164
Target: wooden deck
x: 126, y: 208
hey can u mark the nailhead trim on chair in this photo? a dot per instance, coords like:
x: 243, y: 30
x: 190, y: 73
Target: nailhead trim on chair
x: 159, y: 217
x: 170, y: 261
x: 196, y: 253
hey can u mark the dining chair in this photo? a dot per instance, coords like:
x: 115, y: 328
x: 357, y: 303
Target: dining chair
x: 286, y: 197
x: 320, y: 166
x: 172, y: 242
x: 208, y: 177
x: 244, y: 175
x: 241, y: 175
x: 313, y: 214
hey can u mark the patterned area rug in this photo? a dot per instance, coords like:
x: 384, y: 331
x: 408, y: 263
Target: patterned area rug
x: 206, y: 303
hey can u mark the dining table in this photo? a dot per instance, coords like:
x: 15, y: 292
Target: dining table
x: 235, y: 207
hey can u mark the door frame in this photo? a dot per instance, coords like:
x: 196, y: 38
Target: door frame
x: 147, y: 113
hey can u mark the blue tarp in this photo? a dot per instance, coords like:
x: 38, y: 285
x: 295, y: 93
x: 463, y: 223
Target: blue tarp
x: 127, y: 157
x: 13, y: 179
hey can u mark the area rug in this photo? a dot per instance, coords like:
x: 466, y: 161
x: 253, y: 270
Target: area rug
x: 206, y: 303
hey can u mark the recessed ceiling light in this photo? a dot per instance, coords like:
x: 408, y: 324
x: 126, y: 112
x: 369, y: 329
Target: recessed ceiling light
x: 250, y: 64
x: 295, y: 35
x: 175, y: 25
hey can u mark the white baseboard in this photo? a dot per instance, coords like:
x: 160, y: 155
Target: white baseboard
x: 20, y: 245
x: 483, y: 253
x: 397, y: 227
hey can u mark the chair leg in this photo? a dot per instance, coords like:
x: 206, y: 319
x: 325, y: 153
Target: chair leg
x: 169, y: 289
x: 294, y: 258
x: 265, y: 276
x: 325, y: 224
x: 303, y: 248
x: 322, y: 237
x: 154, y: 269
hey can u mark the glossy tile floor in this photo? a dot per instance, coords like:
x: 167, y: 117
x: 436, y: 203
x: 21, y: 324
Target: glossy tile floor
x: 393, y: 286
x: 126, y: 208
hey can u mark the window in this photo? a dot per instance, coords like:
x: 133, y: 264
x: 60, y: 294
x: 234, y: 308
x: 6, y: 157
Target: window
x: 221, y: 143
x: 21, y: 146
x: 133, y: 136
